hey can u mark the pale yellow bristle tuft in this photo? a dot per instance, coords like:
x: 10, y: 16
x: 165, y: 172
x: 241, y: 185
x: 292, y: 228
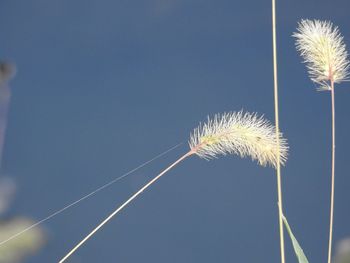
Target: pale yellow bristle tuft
x: 324, y: 52
x: 244, y: 134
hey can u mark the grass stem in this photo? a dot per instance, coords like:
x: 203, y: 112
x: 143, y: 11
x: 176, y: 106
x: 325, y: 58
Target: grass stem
x: 278, y: 167
x: 124, y: 205
x: 333, y: 175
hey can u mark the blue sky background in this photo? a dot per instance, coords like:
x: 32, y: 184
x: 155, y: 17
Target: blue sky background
x: 103, y: 86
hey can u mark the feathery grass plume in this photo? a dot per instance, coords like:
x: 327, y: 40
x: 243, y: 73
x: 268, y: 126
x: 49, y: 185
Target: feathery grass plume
x: 236, y: 133
x: 244, y: 134
x: 322, y: 47
x: 324, y: 52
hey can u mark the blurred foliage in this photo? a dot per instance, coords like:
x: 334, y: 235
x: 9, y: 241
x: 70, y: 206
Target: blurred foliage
x: 343, y: 251
x: 7, y: 191
x: 28, y: 243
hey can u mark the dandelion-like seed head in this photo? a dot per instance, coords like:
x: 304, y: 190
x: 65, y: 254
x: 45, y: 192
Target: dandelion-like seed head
x: 324, y: 52
x: 244, y: 134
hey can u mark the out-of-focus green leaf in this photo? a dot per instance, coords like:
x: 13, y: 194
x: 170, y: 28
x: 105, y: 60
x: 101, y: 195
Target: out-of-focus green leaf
x: 297, y: 248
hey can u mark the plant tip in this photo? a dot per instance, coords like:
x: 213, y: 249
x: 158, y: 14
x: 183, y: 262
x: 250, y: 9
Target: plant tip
x: 244, y: 134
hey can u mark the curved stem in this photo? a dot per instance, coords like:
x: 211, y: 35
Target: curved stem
x: 124, y: 205
x: 92, y: 193
x: 278, y: 168
x: 333, y: 175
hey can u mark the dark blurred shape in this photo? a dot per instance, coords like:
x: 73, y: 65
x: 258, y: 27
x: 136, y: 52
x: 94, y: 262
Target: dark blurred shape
x: 7, y: 72
x: 28, y: 243
x: 15, y: 250
x: 7, y: 191
x: 343, y: 251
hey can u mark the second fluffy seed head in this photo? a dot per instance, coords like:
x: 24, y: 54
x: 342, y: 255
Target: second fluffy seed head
x: 324, y: 52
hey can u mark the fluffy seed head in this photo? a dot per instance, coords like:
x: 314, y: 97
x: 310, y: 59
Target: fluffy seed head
x: 244, y: 134
x: 324, y: 52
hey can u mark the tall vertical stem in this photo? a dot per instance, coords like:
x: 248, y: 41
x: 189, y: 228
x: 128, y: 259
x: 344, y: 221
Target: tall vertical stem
x: 278, y: 168
x: 125, y: 204
x: 333, y: 175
